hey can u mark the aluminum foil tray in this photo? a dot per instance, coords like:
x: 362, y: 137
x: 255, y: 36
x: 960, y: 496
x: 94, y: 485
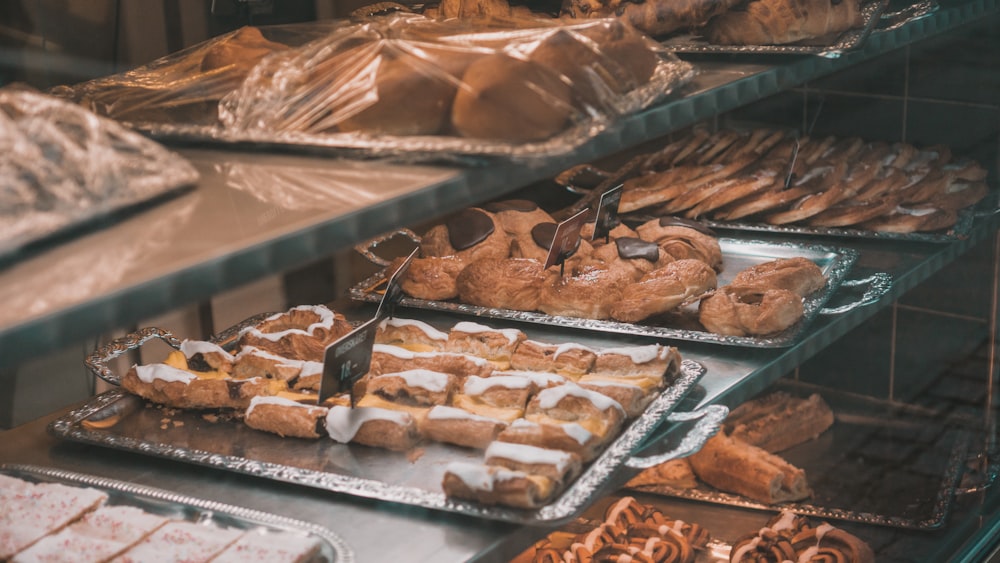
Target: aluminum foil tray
x: 175, y: 506
x: 119, y: 420
x: 876, y: 465
x: 737, y: 254
x: 827, y: 46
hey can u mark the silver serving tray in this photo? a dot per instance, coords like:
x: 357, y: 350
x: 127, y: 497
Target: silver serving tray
x: 830, y: 46
x: 857, y: 472
x: 175, y: 506
x: 737, y: 254
x: 119, y: 420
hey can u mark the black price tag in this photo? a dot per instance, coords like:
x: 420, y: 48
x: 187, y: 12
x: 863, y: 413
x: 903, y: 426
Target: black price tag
x: 607, y: 213
x: 393, y: 292
x: 566, y: 239
x: 347, y: 360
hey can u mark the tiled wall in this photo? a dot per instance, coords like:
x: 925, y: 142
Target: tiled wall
x: 945, y: 90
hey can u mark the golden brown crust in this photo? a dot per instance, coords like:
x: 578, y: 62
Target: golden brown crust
x: 421, y: 388
x: 433, y: 278
x: 569, y: 402
x: 391, y: 359
x: 741, y: 311
x: 572, y: 360
x: 676, y: 473
x: 505, y: 487
x: 495, y: 246
x: 799, y: 275
x: 683, y: 242
x: 456, y: 426
x: 511, y: 283
x: 496, y: 345
x: 588, y: 294
x: 734, y: 466
x: 286, y: 418
x: 301, y: 333
x: 665, y: 289
x: 778, y: 421
x: 553, y: 434
x: 560, y: 466
x: 201, y: 393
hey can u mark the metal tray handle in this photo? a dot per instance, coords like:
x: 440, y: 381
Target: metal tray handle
x: 707, y: 423
x: 97, y: 360
x: 367, y: 249
x: 879, y: 285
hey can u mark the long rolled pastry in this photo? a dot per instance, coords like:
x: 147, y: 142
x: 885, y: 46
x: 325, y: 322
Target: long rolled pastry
x: 372, y: 426
x: 491, y: 484
x: 286, y: 417
x: 737, y: 467
x: 457, y: 426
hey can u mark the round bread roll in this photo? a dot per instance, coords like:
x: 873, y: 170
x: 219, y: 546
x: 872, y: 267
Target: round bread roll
x: 412, y: 97
x: 508, y: 99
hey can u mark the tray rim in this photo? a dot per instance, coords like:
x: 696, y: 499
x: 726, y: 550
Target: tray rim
x: 339, y: 546
x: 845, y: 41
x: 570, y: 503
x: 844, y: 260
x: 942, y: 502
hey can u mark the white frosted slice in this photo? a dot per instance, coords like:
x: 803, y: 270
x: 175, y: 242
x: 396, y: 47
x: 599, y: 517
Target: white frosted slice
x: 639, y: 354
x: 180, y: 541
x: 480, y: 477
x: 549, y: 398
x: 511, y: 334
x: 572, y: 429
x: 431, y: 332
x: 563, y: 348
x: 151, y: 372
x: 527, y: 454
x: 441, y: 412
x: 191, y: 347
x: 311, y: 368
x: 540, y: 378
x: 343, y: 423
x: 98, y: 536
x: 31, y: 513
x: 475, y: 385
x: 404, y: 354
x: 275, y: 400
x: 325, y: 321
x: 430, y: 380
x: 257, y: 352
x: 268, y: 546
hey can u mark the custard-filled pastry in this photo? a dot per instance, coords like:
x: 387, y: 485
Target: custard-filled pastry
x: 511, y: 283
x: 301, y: 333
x: 411, y: 334
x: 599, y: 414
x: 500, y: 396
x: 415, y: 387
x: 492, y: 485
x: 554, y: 434
x: 254, y: 362
x: 173, y: 384
x: 558, y: 465
x: 570, y: 359
x: 372, y: 426
x: 651, y: 366
x: 390, y: 359
x: 633, y: 398
x: 207, y: 356
x: 496, y: 345
x: 470, y: 235
x: 286, y: 417
x: 452, y: 425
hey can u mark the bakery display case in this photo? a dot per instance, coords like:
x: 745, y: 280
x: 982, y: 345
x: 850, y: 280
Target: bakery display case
x: 901, y: 343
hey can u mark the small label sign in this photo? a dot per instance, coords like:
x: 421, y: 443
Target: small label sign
x: 346, y: 360
x: 393, y: 291
x: 607, y: 213
x: 566, y: 239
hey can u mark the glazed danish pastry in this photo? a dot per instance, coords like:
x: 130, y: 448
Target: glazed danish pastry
x: 372, y: 426
x: 415, y: 387
x: 511, y: 283
x: 553, y: 434
x: 558, y: 465
x: 452, y: 425
x: 590, y: 293
x: 663, y: 290
x: 500, y: 396
x: 411, y: 334
x: 740, y: 311
x: 570, y: 359
x: 683, y: 239
x: 286, y: 417
x: 496, y: 345
x: 490, y: 485
x: 799, y: 275
x: 302, y: 333
x: 599, y: 414
x: 390, y: 359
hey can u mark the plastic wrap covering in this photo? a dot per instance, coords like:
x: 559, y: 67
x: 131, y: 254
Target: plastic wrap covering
x: 61, y: 166
x: 402, y: 84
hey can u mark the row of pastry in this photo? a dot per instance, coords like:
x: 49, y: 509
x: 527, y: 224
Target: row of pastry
x: 494, y: 257
x: 781, y: 178
x: 56, y: 522
x: 631, y: 530
x: 538, y: 410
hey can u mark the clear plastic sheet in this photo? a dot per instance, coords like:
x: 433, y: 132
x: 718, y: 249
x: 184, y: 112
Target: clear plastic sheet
x: 399, y: 84
x: 62, y: 166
